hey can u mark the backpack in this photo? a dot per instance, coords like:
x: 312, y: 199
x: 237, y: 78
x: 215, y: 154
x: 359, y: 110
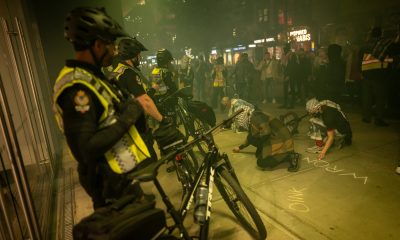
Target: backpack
x: 203, y: 112
x: 124, y: 219
x: 291, y: 121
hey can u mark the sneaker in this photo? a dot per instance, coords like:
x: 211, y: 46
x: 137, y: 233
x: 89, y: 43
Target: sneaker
x: 314, y: 149
x: 294, y: 162
x: 398, y: 170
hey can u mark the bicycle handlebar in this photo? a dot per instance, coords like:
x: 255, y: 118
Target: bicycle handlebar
x: 173, y: 94
x: 149, y: 172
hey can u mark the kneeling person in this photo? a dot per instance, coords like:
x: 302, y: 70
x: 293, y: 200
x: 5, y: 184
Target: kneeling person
x: 273, y: 141
x: 328, y: 125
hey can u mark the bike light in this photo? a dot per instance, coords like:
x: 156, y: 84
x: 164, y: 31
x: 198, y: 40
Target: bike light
x: 178, y: 157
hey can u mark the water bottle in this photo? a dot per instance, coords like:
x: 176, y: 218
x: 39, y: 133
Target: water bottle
x: 200, y: 210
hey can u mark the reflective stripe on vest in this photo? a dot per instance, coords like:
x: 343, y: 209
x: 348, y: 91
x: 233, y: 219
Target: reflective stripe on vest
x: 369, y: 63
x: 157, y: 81
x: 130, y: 149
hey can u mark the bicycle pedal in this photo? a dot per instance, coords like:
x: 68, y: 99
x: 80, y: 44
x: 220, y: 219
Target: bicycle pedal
x: 171, y: 169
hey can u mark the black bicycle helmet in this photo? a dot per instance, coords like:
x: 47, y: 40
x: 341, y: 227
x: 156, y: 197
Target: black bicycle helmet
x: 84, y: 25
x: 129, y: 48
x: 163, y: 57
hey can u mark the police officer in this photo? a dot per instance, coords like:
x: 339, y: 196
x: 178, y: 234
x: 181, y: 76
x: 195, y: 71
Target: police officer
x: 162, y: 76
x: 162, y: 82
x: 130, y: 79
x: 91, y: 114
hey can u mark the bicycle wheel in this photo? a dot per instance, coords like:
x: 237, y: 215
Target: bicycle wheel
x: 239, y: 204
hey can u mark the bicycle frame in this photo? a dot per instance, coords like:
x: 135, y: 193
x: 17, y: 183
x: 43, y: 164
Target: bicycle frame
x: 207, y: 170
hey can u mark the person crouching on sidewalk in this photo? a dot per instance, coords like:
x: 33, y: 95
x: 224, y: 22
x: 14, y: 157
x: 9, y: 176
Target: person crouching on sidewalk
x: 329, y: 125
x: 273, y: 141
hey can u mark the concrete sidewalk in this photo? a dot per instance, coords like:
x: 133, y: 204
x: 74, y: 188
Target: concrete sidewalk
x: 352, y: 194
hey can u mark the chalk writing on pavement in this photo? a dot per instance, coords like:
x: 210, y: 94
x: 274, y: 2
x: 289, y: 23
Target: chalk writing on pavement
x: 334, y: 169
x: 296, y: 200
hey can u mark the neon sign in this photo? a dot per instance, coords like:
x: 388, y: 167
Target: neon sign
x: 300, y: 35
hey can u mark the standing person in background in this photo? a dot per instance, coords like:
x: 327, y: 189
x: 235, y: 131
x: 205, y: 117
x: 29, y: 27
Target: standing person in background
x: 97, y: 121
x: 268, y: 68
x: 186, y: 73
x: 219, y: 75
x: 243, y: 72
x: 303, y: 76
x: 200, y: 78
x: 374, y: 67
x: 334, y: 77
x: 319, y: 69
x: 353, y: 74
x: 290, y: 64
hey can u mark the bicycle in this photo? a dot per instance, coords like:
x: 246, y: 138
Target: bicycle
x: 182, y: 116
x: 216, y: 168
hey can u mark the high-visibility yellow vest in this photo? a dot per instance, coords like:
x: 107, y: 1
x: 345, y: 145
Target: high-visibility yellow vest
x: 219, y: 80
x: 130, y: 149
x: 370, y: 63
x: 157, y: 80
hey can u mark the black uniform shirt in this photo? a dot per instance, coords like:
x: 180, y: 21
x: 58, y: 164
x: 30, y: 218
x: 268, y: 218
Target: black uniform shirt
x: 81, y: 112
x: 131, y: 82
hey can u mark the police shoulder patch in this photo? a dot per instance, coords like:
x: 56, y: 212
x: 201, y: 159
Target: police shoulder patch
x: 81, y: 101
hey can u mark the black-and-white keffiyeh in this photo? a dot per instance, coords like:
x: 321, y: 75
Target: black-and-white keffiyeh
x: 242, y: 121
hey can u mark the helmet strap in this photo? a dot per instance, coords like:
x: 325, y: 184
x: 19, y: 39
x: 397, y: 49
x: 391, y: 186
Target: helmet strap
x: 98, y: 62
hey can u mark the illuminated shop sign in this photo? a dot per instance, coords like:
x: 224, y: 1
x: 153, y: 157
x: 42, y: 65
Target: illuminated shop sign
x: 264, y: 40
x: 228, y: 50
x: 239, y: 48
x: 252, y: 45
x: 301, y: 35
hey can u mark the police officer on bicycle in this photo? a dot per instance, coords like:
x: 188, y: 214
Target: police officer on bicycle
x: 91, y: 114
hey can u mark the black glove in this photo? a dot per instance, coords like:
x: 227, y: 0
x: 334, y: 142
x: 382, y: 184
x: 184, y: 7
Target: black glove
x: 130, y: 111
